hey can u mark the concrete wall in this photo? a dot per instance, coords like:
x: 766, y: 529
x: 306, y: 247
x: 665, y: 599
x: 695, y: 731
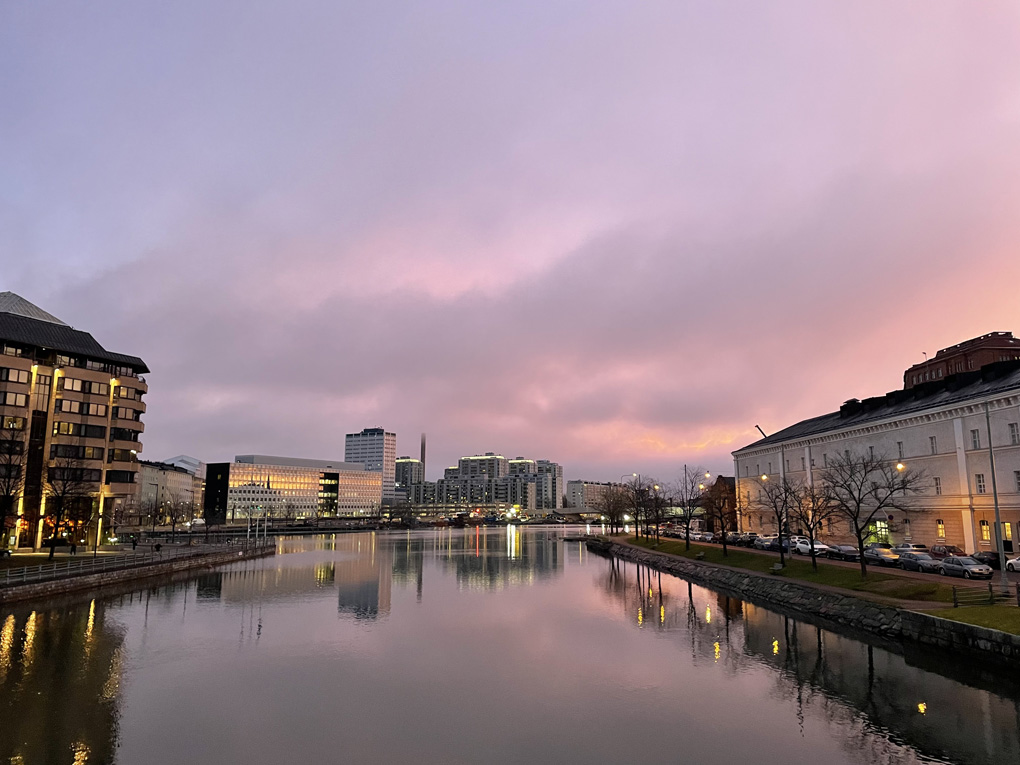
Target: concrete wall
x: 944, y: 633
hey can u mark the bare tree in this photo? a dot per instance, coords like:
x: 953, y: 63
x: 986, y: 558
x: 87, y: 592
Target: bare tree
x: 177, y: 508
x: 862, y: 486
x: 639, y: 489
x: 812, y: 505
x: 70, y: 485
x: 613, y: 503
x: 718, y: 503
x: 12, y: 473
x: 775, y: 498
x: 656, y: 510
x: 687, y: 491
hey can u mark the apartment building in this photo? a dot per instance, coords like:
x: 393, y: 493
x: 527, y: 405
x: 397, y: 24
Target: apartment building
x: 70, y: 424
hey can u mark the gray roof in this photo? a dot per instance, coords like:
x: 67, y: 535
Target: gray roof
x: 17, y: 305
x: 992, y: 379
x: 18, y: 326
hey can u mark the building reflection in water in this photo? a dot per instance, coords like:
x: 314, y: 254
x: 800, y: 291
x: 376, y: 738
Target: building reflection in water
x: 874, y: 699
x: 60, y: 678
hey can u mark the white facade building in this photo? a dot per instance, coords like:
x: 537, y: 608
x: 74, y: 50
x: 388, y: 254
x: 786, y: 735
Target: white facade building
x: 939, y: 429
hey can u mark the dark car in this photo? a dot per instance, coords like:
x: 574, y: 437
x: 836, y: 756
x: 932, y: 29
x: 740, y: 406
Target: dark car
x: 5, y: 553
x: 987, y: 557
x: 747, y: 539
x: 881, y: 553
x: 908, y: 547
x: 918, y: 561
x: 964, y: 566
x: 843, y: 552
x: 774, y: 545
x: 944, y: 551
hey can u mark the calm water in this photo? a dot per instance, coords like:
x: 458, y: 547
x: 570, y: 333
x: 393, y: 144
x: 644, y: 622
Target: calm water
x: 469, y: 646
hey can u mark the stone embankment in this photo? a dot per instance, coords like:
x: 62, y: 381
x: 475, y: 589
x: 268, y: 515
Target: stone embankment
x: 816, y: 604
x: 800, y: 600
x: 106, y: 579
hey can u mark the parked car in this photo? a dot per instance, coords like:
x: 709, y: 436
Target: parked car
x: 843, y: 552
x: 803, y: 547
x: 938, y: 552
x: 1013, y: 564
x: 880, y: 553
x: 989, y: 558
x: 747, y: 539
x: 732, y: 537
x: 5, y: 553
x: 908, y: 547
x: 774, y: 544
x: 965, y: 566
x: 763, y: 542
x: 919, y: 561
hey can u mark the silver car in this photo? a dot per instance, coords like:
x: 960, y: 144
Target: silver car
x: 964, y: 566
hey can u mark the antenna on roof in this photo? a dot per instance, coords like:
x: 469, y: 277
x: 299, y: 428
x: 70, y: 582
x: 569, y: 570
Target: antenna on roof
x: 925, y: 355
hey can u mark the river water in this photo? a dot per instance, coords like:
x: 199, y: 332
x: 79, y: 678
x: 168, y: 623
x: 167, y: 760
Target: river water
x: 503, y: 645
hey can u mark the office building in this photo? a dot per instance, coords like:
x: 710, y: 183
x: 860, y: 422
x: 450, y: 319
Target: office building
x: 408, y: 471
x: 70, y: 422
x: 377, y: 451
x: 259, y: 486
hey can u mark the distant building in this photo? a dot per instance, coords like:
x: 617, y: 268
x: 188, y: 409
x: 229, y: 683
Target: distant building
x: 408, y: 471
x: 585, y: 495
x: 492, y: 480
x: 967, y: 356
x: 376, y: 449
x: 70, y: 422
x: 164, y: 487
x: 256, y: 485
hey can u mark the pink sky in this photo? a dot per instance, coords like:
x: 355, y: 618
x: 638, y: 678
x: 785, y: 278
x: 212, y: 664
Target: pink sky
x: 614, y: 235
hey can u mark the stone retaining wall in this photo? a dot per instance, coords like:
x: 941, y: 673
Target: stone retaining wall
x: 959, y: 637
x: 43, y: 590
x: 800, y: 600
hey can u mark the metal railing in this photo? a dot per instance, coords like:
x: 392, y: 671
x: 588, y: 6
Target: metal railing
x: 71, y: 567
x: 979, y: 596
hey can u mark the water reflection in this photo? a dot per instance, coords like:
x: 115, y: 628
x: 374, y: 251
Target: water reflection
x: 60, y: 676
x: 504, y: 645
x: 880, y: 707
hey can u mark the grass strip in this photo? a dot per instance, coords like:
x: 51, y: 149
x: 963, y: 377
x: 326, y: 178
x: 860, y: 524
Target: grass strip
x: 1002, y: 618
x: 843, y: 577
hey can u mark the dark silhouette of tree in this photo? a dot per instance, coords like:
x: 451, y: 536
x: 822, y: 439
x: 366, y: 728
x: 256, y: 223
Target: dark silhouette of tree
x: 613, y: 503
x: 639, y: 489
x: 864, y: 486
x: 718, y: 502
x: 687, y: 491
x: 12, y: 473
x: 775, y: 498
x: 812, y: 505
x: 70, y: 486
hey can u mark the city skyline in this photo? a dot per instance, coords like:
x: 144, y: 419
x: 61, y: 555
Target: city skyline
x: 620, y: 239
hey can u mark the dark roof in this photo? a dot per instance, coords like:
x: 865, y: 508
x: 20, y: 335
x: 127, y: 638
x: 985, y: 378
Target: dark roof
x: 1000, y: 377
x: 23, y: 330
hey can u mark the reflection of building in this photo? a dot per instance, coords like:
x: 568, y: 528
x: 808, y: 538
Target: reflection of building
x: 377, y: 451
x: 256, y: 485
x: 495, y: 558
x: 60, y: 684
x: 70, y: 418
x: 364, y: 581
x: 938, y: 428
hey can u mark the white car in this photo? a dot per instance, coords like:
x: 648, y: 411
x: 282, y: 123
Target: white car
x: 763, y: 542
x: 1013, y: 564
x: 803, y: 547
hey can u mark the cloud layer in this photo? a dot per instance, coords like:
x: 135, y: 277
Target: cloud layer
x: 613, y: 236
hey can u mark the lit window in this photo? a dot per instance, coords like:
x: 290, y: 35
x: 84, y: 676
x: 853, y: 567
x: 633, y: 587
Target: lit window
x: 940, y: 529
x: 986, y: 531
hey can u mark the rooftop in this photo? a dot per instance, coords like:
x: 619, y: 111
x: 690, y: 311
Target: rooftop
x: 991, y: 379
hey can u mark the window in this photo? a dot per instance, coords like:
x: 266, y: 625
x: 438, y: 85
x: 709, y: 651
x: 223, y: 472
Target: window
x: 979, y: 483
x: 770, y: 469
x: 14, y: 375
x: 933, y: 442
x: 119, y: 476
x: 94, y: 410
x: 1007, y: 531
x: 13, y: 399
x: 940, y: 528
x: 69, y: 383
x: 938, y: 486
x: 1014, y: 433
x: 1016, y: 480
x: 803, y: 463
x: 13, y: 423
x: 871, y: 452
x: 986, y: 531
x: 975, y: 439
x: 825, y: 460
x: 66, y: 405
x: 899, y: 449
x: 879, y: 531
